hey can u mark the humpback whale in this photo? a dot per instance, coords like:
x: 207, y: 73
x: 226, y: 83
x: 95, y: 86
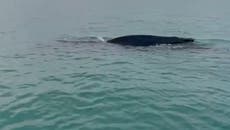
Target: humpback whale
x: 148, y: 40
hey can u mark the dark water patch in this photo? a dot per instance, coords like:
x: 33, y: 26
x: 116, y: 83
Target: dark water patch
x: 117, y: 63
x: 52, y: 78
x: 8, y: 71
x: 28, y: 85
x: 81, y: 58
x: 6, y: 94
x: 14, y: 56
x: 4, y: 87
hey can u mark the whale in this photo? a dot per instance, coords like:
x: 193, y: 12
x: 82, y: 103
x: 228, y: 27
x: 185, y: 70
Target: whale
x: 149, y: 40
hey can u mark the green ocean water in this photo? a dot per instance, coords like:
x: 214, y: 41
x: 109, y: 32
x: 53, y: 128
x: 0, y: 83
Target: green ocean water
x: 56, y: 74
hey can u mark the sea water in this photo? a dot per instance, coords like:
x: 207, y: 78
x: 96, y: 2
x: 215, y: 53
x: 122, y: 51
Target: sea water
x: 57, y: 73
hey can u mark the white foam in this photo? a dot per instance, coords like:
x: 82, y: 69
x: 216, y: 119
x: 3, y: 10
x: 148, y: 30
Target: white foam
x: 101, y: 39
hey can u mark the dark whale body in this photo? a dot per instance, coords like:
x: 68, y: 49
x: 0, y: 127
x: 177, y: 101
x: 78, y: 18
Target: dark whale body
x: 148, y: 40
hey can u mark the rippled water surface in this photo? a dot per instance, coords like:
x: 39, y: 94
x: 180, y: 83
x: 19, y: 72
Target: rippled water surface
x: 56, y: 74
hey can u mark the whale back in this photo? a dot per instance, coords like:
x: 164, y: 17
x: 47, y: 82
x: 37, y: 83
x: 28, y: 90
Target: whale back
x: 146, y: 40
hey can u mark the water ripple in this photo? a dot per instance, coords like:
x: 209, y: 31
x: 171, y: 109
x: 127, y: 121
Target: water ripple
x: 104, y: 86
